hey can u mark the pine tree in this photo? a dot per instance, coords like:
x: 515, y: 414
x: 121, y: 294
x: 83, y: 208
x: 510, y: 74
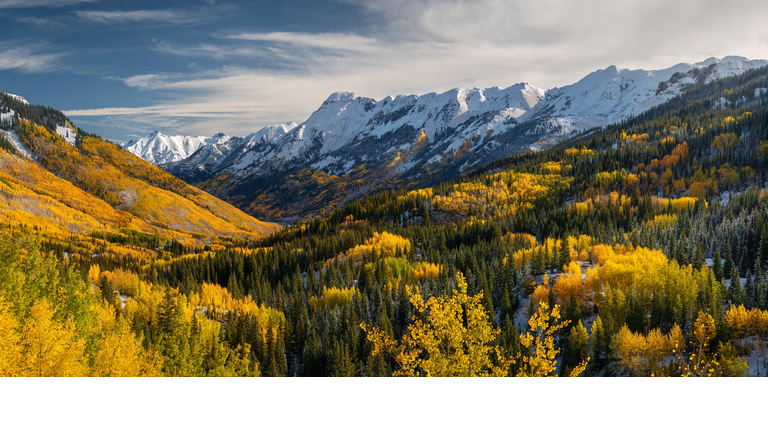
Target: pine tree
x: 735, y: 292
x: 599, y: 342
x: 565, y: 252
x: 717, y: 266
x: 744, y: 262
x: 728, y: 268
x: 699, y: 261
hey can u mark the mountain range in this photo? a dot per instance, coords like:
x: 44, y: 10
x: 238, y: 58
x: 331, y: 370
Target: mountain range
x: 354, y: 144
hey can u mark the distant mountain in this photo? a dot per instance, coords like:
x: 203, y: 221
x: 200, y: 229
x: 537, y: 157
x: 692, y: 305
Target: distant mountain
x: 157, y: 148
x: 353, y: 144
x: 218, y: 151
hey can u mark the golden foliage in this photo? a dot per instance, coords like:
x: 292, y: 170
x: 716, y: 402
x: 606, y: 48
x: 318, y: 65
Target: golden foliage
x: 540, y: 339
x: 333, y: 297
x: 10, y: 348
x: 120, y: 354
x: 451, y: 336
x: 51, y: 348
x: 499, y: 195
x: 384, y: 245
x: 725, y: 142
x: 743, y: 322
x: 425, y: 270
x: 640, y: 354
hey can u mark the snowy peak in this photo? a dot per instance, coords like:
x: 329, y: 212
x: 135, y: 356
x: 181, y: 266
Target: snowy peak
x: 611, y: 95
x: 157, y: 148
x: 192, y: 157
x: 269, y: 133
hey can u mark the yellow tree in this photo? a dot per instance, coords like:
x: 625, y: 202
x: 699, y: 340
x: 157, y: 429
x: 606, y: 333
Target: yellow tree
x: 699, y: 363
x: 544, y: 324
x: 121, y: 355
x: 451, y: 337
x: 51, y: 348
x: 10, y: 348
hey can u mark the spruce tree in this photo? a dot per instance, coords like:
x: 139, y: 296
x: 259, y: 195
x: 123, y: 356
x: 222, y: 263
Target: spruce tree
x: 717, y: 266
x: 598, y: 340
x: 734, y: 291
x: 744, y: 262
x: 565, y: 252
x: 728, y: 267
x: 699, y: 261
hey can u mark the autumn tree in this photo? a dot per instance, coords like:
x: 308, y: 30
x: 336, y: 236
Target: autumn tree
x: 540, y: 339
x: 51, y: 348
x: 449, y: 336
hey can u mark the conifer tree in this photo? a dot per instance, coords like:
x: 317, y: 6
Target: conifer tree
x: 728, y: 267
x: 565, y: 252
x: 735, y: 291
x: 599, y: 340
x: 744, y: 263
x: 717, y: 266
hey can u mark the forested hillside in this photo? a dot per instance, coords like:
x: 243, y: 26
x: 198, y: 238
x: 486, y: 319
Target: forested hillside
x: 637, y: 250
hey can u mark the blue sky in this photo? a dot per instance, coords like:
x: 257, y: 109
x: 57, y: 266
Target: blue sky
x: 125, y: 68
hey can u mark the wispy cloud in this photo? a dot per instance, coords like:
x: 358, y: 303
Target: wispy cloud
x: 29, y: 58
x: 123, y: 17
x: 208, y: 50
x: 337, y: 41
x: 15, y: 4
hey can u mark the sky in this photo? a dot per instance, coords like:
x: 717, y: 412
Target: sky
x: 122, y: 69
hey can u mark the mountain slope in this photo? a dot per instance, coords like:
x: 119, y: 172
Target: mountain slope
x: 93, y: 185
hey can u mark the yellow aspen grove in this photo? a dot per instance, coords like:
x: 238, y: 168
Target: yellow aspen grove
x: 121, y: 355
x: 440, y: 344
x: 51, y: 348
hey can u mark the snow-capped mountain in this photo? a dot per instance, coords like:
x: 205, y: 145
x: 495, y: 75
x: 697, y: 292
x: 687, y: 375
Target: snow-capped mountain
x: 612, y: 95
x: 442, y: 135
x: 158, y: 148
x: 218, y: 150
x: 349, y: 129
x: 346, y: 121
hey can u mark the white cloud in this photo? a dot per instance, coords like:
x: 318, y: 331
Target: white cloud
x: 122, y: 17
x: 337, y: 41
x: 11, y: 4
x: 32, y: 58
x: 434, y: 46
x: 207, y: 50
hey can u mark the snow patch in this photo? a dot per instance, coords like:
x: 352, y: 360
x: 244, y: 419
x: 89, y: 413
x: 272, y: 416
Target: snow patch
x: 18, y: 98
x: 17, y: 143
x: 66, y: 133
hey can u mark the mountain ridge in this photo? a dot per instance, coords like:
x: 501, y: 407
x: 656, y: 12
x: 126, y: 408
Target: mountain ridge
x: 359, y: 143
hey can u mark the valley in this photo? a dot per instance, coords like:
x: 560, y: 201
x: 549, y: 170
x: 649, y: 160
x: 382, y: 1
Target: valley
x: 614, y: 227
